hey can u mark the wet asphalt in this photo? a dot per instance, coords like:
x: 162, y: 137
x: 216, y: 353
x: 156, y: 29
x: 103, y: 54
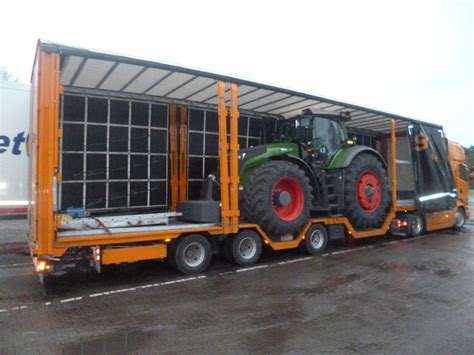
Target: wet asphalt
x: 383, y: 295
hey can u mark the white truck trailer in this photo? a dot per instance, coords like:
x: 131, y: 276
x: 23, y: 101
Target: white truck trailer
x: 14, y: 120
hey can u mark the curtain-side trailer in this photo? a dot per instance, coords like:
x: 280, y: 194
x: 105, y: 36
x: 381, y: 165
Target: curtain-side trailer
x: 121, y: 148
x: 14, y: 113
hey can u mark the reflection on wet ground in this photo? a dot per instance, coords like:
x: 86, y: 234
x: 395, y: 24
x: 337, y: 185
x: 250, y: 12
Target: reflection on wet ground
x: 385, y: 295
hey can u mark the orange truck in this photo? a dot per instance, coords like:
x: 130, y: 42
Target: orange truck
x: 122, y: 148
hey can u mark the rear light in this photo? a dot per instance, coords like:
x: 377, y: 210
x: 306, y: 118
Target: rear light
x: 42, y: 265
x: 401, y: 223
x: 96, y: 253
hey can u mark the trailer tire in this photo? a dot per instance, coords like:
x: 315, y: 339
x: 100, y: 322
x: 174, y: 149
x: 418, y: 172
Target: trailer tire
x: 190, y: 254
x: 315, y: 240
x: 280, y: 180
x: 227, y: 248
x: 366, y: 192
x: 416, y: 226
x: 459, y: 219
x: 244, y: 248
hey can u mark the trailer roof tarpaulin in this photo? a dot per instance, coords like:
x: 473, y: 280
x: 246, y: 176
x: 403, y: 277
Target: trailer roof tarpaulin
x: 434, y: 182
x: 83, y: 69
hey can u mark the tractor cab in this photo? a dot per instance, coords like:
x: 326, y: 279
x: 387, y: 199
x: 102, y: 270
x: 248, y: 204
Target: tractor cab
x: 320, y: 134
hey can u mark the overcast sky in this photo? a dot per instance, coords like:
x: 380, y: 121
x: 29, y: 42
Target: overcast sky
x: 413, y: 58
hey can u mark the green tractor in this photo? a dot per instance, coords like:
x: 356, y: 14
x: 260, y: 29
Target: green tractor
x: 313, y: 170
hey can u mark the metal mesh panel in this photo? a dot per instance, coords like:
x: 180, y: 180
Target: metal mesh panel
x: 203, y: 145
x: 113, y: 154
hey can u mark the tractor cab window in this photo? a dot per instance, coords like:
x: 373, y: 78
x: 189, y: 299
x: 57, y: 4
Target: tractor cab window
x: 329, y: 136
x: 320, y: 135
x: 297, y: 129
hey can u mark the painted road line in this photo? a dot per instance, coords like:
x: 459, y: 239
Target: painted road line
x: 14, y: 265
x: 295, y: 260
x: 122, y: 290
x: 71, y: 299
x: 252, y: 268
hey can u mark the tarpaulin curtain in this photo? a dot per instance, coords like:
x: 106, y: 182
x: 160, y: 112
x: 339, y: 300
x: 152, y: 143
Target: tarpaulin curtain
x: 434, y: 182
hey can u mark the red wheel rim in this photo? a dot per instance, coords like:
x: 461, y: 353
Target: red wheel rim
x: 291, y: 186
x: 369, y: 191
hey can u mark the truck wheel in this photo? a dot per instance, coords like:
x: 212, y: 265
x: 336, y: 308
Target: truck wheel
x: 460, y: 219
x: 416, y: 227
x: 191, y: 254
x: 315, y: 240
x: 244, y: 248
x: 277, y: 196
x: 366, y: 192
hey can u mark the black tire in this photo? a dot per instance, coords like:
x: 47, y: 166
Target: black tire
x: 459, y: 219
x: 190, y: 254
x: 227, y: 248
x: 244, y: 248
x: 417, y: 226
x: 315, y: 240
x: 258, y: 198
x: 366, y: 210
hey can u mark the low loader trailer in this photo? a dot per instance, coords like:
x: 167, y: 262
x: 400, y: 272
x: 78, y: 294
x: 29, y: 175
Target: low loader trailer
x: 131, y: 160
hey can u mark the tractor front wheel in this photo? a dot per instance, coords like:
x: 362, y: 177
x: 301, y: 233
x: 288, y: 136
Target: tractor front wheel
x: 277, y: 196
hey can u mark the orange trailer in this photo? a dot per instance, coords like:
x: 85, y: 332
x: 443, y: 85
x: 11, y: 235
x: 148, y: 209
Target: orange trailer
x: 80, y: 94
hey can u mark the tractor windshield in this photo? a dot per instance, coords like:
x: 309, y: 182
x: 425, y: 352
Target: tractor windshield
x: 325, y: 135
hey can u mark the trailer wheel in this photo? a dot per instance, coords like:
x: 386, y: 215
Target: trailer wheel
x: 315, y: 241
x: 460, y: 219
x: 244, y: 248
x: 416, y: 226
x: 191, y: 254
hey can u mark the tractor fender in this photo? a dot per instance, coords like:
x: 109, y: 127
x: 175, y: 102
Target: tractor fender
x: 317, y: 179
x: 354, y: 151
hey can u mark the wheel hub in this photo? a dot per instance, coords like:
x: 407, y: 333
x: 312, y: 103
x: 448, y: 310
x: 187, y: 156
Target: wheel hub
x: 194, y: 254
x: 316, y: 239
x: 281, y: 198
x: 287, y: 198
x: 247, y: 248
x: 459, y: 218
x: 369, y: 191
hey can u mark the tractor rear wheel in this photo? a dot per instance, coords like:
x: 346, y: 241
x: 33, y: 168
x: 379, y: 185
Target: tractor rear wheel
x: 277, y: 196
x: 366, y: 192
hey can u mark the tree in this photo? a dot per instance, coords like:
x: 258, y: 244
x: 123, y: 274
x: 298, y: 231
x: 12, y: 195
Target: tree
x: 6, y: 75
x: 470, y: 156
x: 470, y: 161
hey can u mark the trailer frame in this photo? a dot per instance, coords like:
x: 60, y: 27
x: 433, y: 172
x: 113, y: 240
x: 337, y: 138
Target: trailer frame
x: 48, y: 244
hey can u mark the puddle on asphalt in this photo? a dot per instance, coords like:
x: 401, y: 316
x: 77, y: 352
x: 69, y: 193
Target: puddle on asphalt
x: 438, y: 268
x: 113, y: 343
